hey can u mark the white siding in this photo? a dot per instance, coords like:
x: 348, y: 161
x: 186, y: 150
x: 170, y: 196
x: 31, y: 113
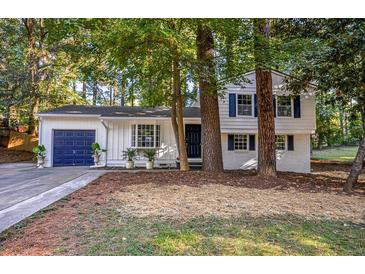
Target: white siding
x: 119, y: 137
x: 50, y: 123
x: 305, y: 124
x: 295, y: 161
x: 119, y: 140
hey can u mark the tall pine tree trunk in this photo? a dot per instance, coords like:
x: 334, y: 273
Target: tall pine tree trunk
x: 211, y: 133
x: 33, y: 69
x: 183, y: 155
x: 266, y: 123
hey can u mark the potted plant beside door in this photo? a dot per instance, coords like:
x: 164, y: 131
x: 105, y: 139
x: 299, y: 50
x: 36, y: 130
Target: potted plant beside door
x: 130, y: 154
x: 96, y: 153
x: 40, y: 154
x: 150, y: 154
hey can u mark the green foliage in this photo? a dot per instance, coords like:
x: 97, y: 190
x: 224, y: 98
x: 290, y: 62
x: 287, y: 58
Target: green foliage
x: 96, y: 148
x: 39, y: 151
x: 130, y: 154
x: 356, y: 130
x: 333, y: 58
x: 150, y: 154
x: 115, y: 61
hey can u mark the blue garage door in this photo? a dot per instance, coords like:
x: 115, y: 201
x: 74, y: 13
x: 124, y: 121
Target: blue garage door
x: 73, y: 147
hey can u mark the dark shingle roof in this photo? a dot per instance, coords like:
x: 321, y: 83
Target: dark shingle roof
x: 118, y: 111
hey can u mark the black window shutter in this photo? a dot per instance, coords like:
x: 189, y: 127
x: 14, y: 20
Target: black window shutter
x: 230, y: 142
x: 232, y: 104
x: 297, y: 107
x: 274, y: 104
x: 290, y: 142
x: 255, y: 104
x: 251, y: 142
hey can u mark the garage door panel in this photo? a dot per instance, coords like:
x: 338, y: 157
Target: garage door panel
x: 73, y: 147
x: 80, y: 142
x: 89, y: 142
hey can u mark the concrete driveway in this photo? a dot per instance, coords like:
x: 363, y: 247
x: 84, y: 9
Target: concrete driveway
x: 25, y: 189
x: 19, y: 182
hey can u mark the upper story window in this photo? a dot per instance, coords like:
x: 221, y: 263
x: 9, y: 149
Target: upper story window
x: 280, y: 142
x: 145, y: 136
x: 240, y: 142
x: 284, y: 106
x: 244, y: 104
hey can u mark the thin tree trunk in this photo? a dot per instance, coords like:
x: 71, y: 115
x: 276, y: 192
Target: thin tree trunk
x: 32, y: 122
x: 122, y: 93
x: 110, y: 96
x: 342, y: 127
x: 131, y: 93
x: 211, y: 133
x: 346, y: 127
x: 319, y: 140
x: 95, y: 92
x: 115, y: 93
x: 173, y: 119
x: 266, y: 123
x: 84, y: 90
x: 357, y: 165
x: 183, y: 156
x: 74, y: 86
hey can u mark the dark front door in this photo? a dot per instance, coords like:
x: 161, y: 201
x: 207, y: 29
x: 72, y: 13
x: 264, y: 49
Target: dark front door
x: 73, y: 147
x: 193, y: 140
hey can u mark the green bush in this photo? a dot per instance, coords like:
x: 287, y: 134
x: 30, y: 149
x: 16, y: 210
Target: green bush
x: 130, y: 154
x: 150, y: 154
x: 39, y: 151
x: 96, y: 148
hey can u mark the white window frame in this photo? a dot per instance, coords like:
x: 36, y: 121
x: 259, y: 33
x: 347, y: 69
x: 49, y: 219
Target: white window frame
x: 247, y: 142
x: 285, y: 142
x: 291, y: 107
x: 135, y: 127
x: 252, y: 105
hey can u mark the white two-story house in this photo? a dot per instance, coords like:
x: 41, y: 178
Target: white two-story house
x: 69, y: 131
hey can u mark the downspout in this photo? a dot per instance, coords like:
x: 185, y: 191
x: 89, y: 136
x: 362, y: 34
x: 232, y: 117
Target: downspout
x: 40, y: 131
x: 106, y: 141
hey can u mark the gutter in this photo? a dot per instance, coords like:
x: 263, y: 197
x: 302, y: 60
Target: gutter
x: 67, y: 115
x: 106, y: 141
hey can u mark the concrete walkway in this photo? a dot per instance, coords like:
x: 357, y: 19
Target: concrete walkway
x: 25, y: 189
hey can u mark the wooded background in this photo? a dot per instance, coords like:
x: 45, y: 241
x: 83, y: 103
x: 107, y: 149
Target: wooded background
x: 45, y: 63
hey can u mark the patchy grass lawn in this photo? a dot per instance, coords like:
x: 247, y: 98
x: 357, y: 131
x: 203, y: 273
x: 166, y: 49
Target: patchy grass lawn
x: 197, y: 213
x: 342, y: 154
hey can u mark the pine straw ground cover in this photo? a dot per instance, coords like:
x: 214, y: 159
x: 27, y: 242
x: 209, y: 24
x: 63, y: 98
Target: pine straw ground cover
x: 12, y: 156
x: 199, y: 213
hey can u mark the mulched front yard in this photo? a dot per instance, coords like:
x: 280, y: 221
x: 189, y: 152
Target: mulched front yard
x: 200, y: 213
